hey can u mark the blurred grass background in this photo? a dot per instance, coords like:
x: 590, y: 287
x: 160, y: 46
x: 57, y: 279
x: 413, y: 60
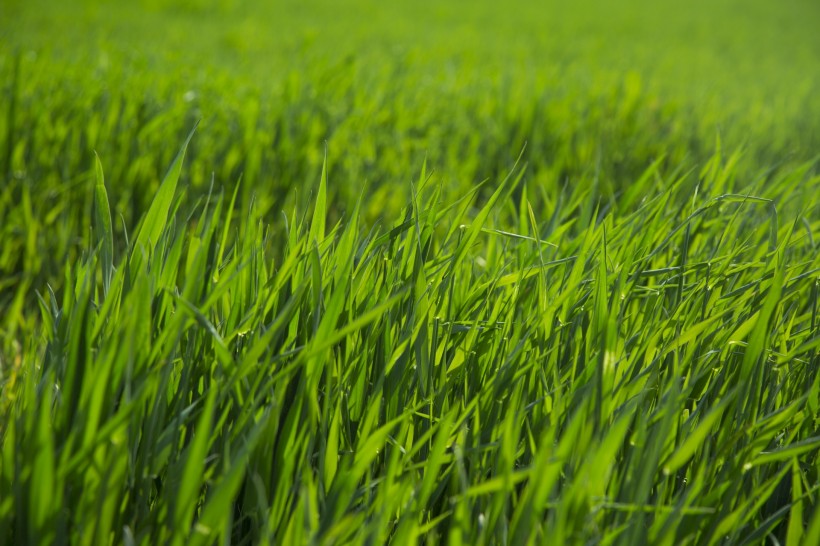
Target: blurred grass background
x: 739, y: 68
x: 422, y: 77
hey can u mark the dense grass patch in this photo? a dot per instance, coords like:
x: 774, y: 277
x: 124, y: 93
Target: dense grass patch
x: 408, y: 286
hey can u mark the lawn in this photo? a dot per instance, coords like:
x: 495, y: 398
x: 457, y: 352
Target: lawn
x: 409, y: 272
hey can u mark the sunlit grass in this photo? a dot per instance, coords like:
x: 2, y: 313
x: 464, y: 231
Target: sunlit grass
x: 578, y: 375
x: 366, y: 301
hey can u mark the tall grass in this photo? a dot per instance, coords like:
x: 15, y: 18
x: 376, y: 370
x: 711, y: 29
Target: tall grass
x: 408, y: 286
x: 473, y: 373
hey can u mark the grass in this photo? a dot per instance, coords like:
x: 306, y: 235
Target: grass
x: 407, y: 295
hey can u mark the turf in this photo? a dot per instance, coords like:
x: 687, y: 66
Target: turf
x: 410, y: 272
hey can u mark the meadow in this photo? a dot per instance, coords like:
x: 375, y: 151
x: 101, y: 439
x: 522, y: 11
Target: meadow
x: 413, y: 273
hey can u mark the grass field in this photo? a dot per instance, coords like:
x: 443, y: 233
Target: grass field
x: 409, y: 272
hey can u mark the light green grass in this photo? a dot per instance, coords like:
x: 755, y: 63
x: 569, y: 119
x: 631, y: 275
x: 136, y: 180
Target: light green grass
x: 408, y: 286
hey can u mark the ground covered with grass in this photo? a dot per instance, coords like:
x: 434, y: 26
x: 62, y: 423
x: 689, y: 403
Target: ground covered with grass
x: 410, y: 272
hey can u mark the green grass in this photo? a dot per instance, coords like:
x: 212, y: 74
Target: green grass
x: 406, y: 283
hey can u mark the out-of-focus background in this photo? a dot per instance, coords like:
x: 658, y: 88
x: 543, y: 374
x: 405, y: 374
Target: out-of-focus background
x: 464, y: 83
